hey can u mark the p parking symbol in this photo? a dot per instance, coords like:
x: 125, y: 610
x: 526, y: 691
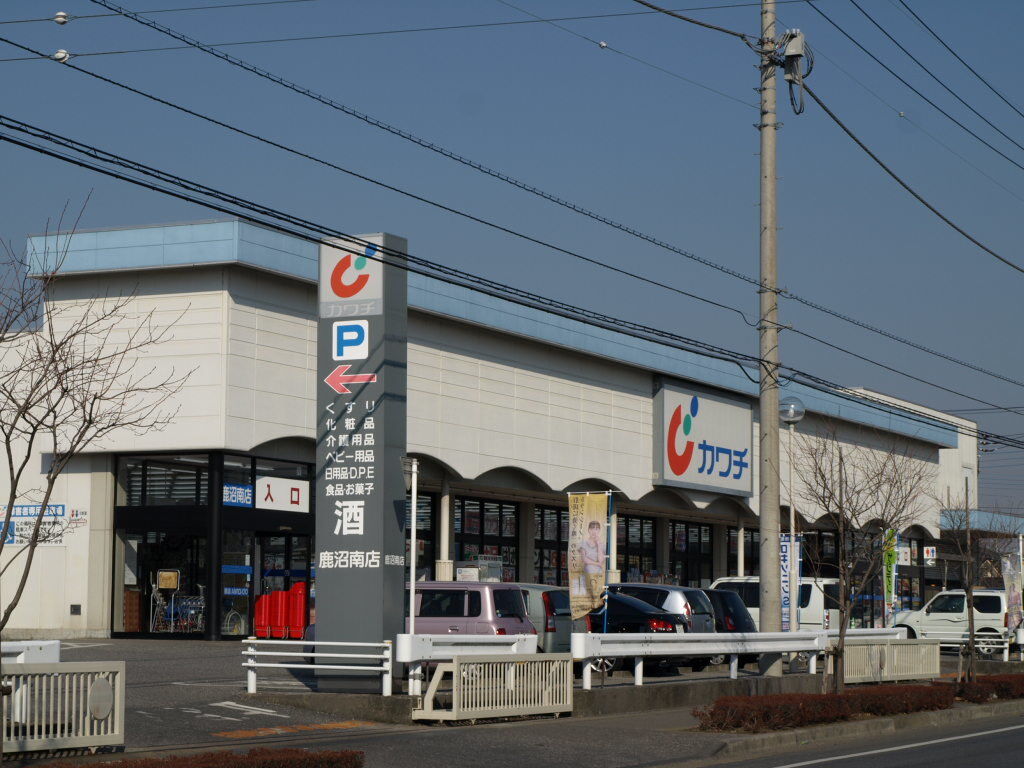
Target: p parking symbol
x: 351, y: 340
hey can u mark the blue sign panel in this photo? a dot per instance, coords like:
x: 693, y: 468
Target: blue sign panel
x: 237, y: 495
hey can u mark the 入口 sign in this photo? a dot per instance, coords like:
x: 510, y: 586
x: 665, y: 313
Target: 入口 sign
x: 282, y: 493
x: 702, y: 441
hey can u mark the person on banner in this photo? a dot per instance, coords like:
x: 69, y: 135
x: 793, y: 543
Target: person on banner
x: 591, y: 551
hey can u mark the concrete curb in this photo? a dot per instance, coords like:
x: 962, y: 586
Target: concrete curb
x: 763, y: 742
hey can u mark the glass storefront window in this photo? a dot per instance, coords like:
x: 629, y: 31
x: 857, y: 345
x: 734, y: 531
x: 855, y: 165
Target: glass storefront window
x: 425, y: 546
x: 551, y: 534
x: 636, y: 547
x: 690, y: 555
x: 751, y: 551
x: 164, y: 582
x: 236, y: 583
x: 158, y: 480
x: 484, y: 527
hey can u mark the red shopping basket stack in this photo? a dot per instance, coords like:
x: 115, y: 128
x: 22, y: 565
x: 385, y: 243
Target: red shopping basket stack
x: 298, y: 608
x: 262, y: 621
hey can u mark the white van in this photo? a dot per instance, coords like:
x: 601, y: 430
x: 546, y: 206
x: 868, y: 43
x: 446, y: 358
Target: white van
x: 815, y: 594
x: 945, y: 617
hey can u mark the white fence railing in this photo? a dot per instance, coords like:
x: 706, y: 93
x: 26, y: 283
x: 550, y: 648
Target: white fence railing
x: 876, y: 660
x: 62, y: 705
x: 375, y: 658
x: 417, y: 650
x: 484, y: 686
x: 589, y: 647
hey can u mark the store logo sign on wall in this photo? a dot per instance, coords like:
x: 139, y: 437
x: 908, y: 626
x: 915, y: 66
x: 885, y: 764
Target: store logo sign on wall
x: 237, y: 495
x: 351, y: 281
x: 703, y: 441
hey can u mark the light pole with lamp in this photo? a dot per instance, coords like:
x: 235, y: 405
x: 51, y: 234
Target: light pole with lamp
x: 791, y: 410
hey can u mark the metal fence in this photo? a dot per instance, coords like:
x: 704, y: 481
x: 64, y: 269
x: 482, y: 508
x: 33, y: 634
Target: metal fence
x: 420, y: 650
x: 499, y: 686
x: 873, y: 660
x: 986, y: 643
x: 62, y: 705
x: 306, y: 652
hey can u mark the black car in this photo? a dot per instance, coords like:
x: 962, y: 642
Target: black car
x: 627, y: 614
x: 731, y: 615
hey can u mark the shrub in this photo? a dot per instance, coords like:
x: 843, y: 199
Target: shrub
x: 977, y: 692
x: 1005, y: 686
x: 256, y: 758
x: 794, y: 710
x: 774, y: 712
x: 900, y: 699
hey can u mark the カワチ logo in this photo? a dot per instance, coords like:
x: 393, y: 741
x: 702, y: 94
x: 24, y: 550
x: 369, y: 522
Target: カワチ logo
x: 680, y: 462
x: 341, y: 285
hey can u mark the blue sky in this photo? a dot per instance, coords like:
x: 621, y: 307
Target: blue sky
x: 602, y: 130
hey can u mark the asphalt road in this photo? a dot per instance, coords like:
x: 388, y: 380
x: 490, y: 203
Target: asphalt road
x: 997, y: 741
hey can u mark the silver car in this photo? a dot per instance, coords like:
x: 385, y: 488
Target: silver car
x: 548, y: 609
x: 689, y: 602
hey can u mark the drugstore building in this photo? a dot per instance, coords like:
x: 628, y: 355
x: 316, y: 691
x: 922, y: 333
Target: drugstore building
x: 179, y: 531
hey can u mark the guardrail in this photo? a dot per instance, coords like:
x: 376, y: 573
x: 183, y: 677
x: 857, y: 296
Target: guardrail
x: 987, y: 642
x: 500, y: 686
x: 62, y: 705
x: 415, y: 650
x: 589, y: 647
x: 310, y: 650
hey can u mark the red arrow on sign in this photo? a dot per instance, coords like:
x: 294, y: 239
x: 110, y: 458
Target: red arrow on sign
x: 338, y: 379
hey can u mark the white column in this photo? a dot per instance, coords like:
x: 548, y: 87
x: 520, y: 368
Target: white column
x: 741, y: 533
x: 444, y: 569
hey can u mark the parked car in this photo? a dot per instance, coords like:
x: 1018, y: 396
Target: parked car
x: 731, y: 616
x: 471, y: 608
x: 629, y: 614
x: 548, y: 609
x: 689, y: 602
x: 818, y: 606
x: 945, y: 617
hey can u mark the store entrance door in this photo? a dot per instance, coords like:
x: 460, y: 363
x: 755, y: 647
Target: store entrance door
x: 284, y: 562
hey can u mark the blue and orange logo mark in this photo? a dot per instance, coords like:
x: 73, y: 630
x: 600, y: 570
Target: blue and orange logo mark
x: 347, y: 290
x: 680, y: 462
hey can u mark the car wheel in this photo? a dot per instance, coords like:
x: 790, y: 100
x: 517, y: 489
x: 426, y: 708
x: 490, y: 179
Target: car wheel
x: 717, y: 660
x: 699, y: 665
x: 987, y: 644
x: 603, y: 665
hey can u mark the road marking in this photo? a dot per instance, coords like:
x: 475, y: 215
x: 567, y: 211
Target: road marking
x: 249, y: 710
x: 279, y: 729
x: 901, y: 747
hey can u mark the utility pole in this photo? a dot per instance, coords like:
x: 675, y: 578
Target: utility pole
x: 768, y: 511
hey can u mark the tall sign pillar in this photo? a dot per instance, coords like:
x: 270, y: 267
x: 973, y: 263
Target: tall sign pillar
x: 360, y: 433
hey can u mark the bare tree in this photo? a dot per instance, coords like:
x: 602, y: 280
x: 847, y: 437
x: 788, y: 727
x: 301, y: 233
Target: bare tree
x: 72, y: 374
x: 867, y: 493
x: 975, y: 540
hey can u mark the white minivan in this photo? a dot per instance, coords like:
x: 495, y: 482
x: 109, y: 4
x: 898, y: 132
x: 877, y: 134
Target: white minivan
x: 818, y: 606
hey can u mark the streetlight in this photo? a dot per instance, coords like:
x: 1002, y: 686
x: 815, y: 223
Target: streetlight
x: 411, y: 470
x: 791, y: 410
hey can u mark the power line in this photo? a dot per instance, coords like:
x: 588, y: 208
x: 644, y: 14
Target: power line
x: 892, y: 72
x: 496, y: 226
x: 251, y: 3
x: 906, y: 186
x: 903, y: 116
x: 934, y: 77
x: 535, y: 190
x: 961, y: 60
x: 689, y: 19
x: 389, y: 187
x: 223, y: 201
x: 604, y: 45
